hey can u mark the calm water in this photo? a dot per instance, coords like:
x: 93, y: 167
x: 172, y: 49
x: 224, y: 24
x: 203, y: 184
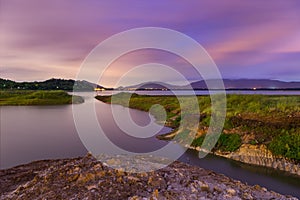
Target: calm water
x: 205, y: 92
x: 42, y: 132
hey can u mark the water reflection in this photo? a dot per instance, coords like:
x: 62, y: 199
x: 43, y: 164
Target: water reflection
x: 31, y: 133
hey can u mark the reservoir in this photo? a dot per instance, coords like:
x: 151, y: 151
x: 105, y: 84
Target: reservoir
x: 29, y: 133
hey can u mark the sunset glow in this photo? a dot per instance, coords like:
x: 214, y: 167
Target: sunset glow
x: 45, y: 39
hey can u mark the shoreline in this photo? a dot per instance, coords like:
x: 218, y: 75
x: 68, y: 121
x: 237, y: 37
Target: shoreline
x: 243, y: 155
x: 256, y: 154
x: 37, y: 98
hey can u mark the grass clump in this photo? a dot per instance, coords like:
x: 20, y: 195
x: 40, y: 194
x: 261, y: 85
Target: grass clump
x: 226, y: 142
x: 229, y: 142
x: 286, y: 144
x: 198, y: 141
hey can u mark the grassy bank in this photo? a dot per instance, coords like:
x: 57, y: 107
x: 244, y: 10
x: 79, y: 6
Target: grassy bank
x: 251, y: 119
x: 29, y: 97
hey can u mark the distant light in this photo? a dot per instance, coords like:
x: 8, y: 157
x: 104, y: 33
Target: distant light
x: 254, y: 88
x: 99, y: 89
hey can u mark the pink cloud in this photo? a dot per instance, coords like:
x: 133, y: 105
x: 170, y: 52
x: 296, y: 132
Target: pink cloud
x: 55, y: 36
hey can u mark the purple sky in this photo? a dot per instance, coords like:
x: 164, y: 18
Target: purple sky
x: 246, y: 39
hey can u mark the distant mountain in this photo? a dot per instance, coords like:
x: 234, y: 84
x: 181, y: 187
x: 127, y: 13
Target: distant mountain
x: 51, y: 84
x: 249, y: 84
x: 149, y: 86
x: 63, y: 84
x: 228, y: 83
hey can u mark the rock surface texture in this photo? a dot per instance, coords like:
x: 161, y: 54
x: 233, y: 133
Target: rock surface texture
x: 87, y: 178
x: 260, y: 155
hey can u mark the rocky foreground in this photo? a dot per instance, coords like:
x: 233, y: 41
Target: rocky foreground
x: 261, y: 156
x: 87, y: 178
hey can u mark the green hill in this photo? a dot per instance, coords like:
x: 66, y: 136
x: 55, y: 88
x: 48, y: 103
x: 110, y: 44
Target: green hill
x: 51, y: 84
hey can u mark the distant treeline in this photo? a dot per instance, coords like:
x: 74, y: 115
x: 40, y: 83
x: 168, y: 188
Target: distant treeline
x: 51, y: 84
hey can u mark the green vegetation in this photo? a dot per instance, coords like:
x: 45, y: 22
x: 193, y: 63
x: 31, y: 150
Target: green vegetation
x: 51, y: 84
x: 27, y: 97
x: 229, y: 142
x: 287, y: 145
x: 226, y: 142
x: 253, y: 119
